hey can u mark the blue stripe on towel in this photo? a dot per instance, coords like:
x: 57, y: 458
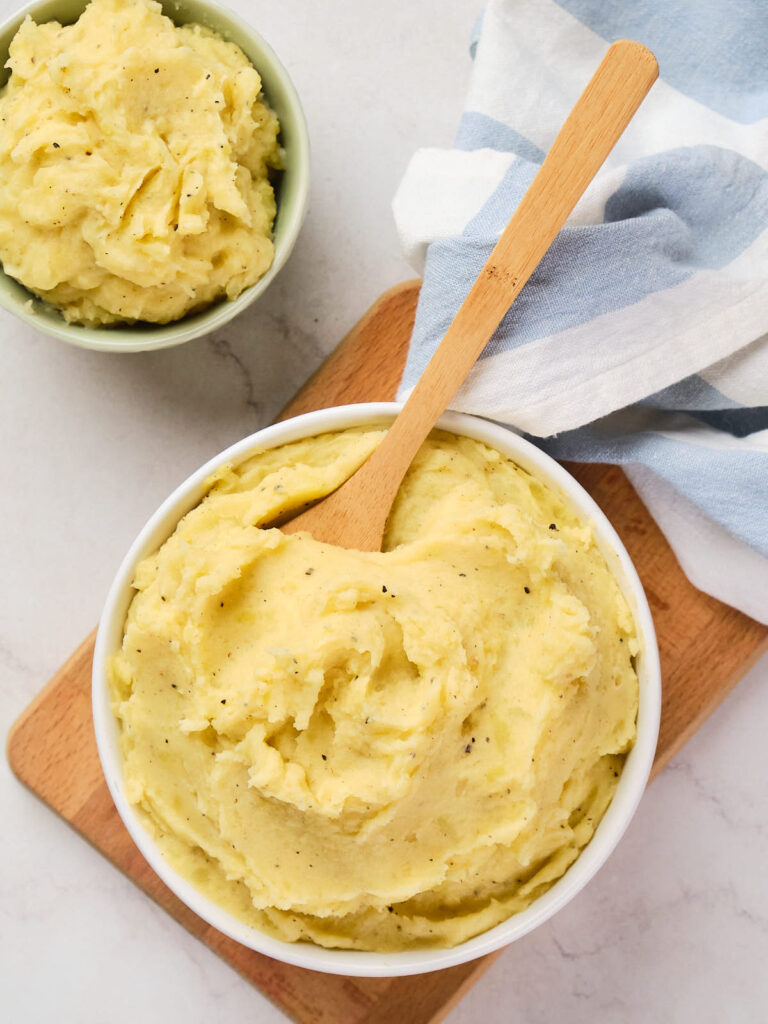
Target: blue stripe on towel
x: 477, y: 31
x: 478, y: 131
x: 727, y: 485
x: 681, y: 211
x: 711, y: 50
x: 692, y: 393
x: 718, y: 197
x: 738, y: 422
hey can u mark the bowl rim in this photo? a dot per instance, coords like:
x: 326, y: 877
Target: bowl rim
x: 128, y: 338
x: 613, y: 824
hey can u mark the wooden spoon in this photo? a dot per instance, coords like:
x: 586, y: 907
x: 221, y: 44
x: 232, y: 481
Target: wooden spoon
x: 355, y: 515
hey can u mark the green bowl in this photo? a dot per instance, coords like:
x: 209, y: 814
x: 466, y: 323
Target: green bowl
x: 291, y: 189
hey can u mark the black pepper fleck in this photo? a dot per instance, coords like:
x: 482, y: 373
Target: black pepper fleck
x: 223, y: 700
x: 552, y: 526
x: 527, y: 590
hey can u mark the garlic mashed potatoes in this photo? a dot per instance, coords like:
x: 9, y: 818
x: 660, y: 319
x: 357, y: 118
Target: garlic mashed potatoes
x: 381, y: 750
x: 134, y: 166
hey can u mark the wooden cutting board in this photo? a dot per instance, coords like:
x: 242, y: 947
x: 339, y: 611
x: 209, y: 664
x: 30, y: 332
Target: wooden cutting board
x: 705, y: 648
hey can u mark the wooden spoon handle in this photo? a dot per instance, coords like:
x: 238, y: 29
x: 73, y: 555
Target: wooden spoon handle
x: 355, y: 515
x: 592, y: 129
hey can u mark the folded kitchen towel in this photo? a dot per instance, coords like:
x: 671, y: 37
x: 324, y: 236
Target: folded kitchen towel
x: 641, y: 338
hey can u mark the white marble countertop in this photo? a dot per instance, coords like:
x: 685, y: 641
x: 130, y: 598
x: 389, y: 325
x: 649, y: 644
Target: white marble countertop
x: 674, y: 928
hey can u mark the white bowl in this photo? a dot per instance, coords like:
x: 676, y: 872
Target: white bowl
x: 631, y: 783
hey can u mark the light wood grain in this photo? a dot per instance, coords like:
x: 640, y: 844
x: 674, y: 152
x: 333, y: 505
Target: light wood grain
x: 355, y: 515
x: 705, y: 648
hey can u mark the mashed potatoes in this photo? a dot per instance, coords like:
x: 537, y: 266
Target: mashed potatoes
x: 134, y: 166
x: 376, y: 750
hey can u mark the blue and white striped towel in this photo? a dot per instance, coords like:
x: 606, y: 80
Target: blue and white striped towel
x: 641, y: 338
